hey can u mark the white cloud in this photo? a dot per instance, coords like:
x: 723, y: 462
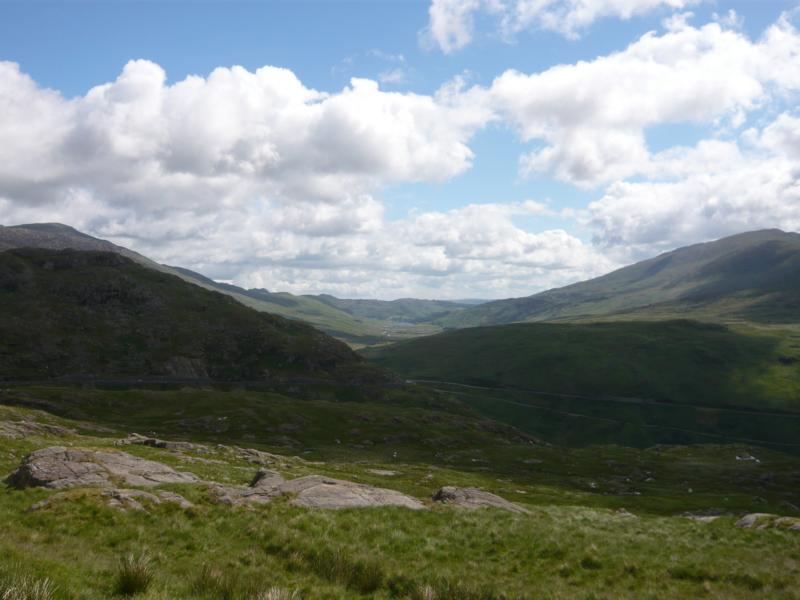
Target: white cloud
x: 781, y: 136
x: 394, y: 76
x: 592, y: 117
x: 225, y: 139
x: 452, y: 22
x: 705, y: 192
x: 253, y: 177
x: 256, y: 178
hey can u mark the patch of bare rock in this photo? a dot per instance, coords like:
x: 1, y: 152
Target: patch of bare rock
x: 312, y: 491
x: 472, y: 498
x: 251, y: 455
x: 58, y: 468
x: 122, y: 499
x: 21, y: 429
x: 142, y: 440
x: 768, y: 521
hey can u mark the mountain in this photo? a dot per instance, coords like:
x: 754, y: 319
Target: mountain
x: 355, y: 321
x: 751, y: 276
x: 71, y: 313
x: 410, y: 310
x: 56, y: 236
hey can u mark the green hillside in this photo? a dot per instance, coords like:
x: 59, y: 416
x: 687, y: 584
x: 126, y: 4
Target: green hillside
x: 99, y: 314
x: 752, y: 276
x: 671, y: 361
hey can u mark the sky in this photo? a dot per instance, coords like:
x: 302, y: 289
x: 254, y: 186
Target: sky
x: 432, y: 149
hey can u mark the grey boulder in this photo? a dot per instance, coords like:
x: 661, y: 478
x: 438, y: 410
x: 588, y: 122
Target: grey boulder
x: 472, y: 498
x: 58, y: 468
x: 313, y: 491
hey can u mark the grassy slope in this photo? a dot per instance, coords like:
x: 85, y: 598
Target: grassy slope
x: 71, y: 313
x: 676, y: 361
x: 572, y: 383
x: 752, y: 276
x: 571, y: 546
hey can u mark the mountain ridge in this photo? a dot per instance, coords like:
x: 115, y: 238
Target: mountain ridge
x: 343, y: 321
x: 708, y: 281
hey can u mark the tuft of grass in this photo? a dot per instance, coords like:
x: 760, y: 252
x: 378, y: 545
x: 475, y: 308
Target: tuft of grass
x: 213, y: 582
x: 337, y: 566
x: 25, y: 587
x: 445, y: 589
x: 276, y: 593
x: 134, y: 574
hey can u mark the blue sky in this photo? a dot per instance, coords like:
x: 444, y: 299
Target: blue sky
x: 367, y: 219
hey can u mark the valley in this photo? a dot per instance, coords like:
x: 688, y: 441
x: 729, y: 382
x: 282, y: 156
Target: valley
x: 224, y: 452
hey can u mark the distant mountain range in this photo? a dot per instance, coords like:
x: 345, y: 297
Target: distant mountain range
x: 752, y: 276
x: 355, y: 321
x: 747, y: 277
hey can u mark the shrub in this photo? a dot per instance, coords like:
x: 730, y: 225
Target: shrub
x: 134, y: 574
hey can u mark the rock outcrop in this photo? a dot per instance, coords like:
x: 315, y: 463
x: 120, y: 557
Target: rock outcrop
x: 472, y: 498
x: 768, y: 521
x: 58, y: 468
x: 141, y: 440
x: 251, y: 455
x: 62, y: 468
x: 21, y: 429
x: 120, y: 498
x: 313, y: 491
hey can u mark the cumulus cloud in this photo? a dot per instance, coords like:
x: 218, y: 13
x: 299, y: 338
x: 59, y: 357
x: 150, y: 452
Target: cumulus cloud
x: 591, y: 118
x: 224, y: 140
x: 252, y: 176
x: 256, y: 178
x: 452, y: 22
x: 705, y: 192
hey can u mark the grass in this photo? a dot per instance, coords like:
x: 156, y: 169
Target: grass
x: 134, y: 574
x: 672, y: 361
x: 14, y: 585
x: 573, y: 544
x: 556, y: 553
x: 427, y: 447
